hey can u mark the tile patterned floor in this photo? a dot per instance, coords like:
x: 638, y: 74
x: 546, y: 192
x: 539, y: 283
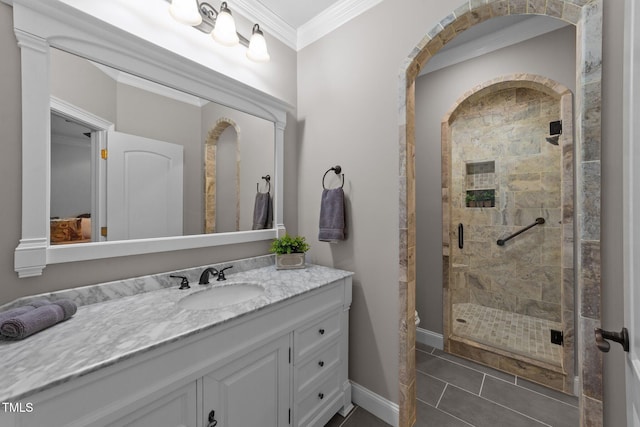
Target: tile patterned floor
x: 517, y: 333
x: 454, y: 392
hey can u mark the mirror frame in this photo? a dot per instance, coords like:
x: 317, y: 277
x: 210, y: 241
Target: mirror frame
x: 41, y: 25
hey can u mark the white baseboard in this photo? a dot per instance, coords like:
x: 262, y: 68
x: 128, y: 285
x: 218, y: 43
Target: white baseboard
x: 430, y: 338
x: 371, y: 402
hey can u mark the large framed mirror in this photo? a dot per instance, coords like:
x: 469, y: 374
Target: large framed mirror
x: 131, y: 149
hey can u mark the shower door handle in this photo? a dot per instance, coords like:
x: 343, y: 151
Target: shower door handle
x: 460, y: 235
x: 621, y: 337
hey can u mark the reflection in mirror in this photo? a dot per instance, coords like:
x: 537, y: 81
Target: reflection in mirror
x: 70, y: 181
x: 170, y: 168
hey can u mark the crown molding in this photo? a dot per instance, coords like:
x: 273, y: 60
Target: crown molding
x: 269, y: 22
x: 319, y: 26
x: 330, y: 19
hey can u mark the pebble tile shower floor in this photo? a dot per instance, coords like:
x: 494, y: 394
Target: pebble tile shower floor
x: 454, y: 392
x: 517, y: 333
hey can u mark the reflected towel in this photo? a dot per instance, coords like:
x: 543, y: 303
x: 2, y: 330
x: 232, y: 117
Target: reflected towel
x: 263, y: 212
x: 8, y: 314
x: 332, y: 216
x: 26, y: 324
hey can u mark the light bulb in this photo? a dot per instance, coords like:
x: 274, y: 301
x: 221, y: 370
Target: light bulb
x: 186, y: 12
x: 225, y: 30
x: 258, y: 46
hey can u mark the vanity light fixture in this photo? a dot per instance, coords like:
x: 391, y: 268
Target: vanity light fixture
x: 221, y: 26
x: 258, y: 46
x: 184, y: 11
x: 224, y: 31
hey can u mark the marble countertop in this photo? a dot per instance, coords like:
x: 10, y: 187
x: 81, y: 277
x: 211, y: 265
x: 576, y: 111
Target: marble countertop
x: 104, y: 333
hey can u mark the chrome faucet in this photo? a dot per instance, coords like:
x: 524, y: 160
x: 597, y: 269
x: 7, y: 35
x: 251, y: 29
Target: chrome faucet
x: 204, y: 277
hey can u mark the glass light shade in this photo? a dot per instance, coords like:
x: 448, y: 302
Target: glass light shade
x: 258, y: 46
x: 186, y: 12
x: 225, y: 30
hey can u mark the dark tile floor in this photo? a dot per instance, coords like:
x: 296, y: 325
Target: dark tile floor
x: 454, y: 392
x: 358, y: 417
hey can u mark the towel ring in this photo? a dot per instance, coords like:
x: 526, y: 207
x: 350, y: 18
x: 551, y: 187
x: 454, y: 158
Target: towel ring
x: 337, y: 170
x: 266, y: 178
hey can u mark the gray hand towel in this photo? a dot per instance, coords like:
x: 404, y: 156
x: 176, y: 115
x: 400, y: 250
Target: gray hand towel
x: 332, y: 216
x: 26, y: 324
x: 262, y: 212
x: 8, y: 314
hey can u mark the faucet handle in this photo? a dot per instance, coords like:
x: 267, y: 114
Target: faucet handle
x: 221, y: 275
x: 184, y: 284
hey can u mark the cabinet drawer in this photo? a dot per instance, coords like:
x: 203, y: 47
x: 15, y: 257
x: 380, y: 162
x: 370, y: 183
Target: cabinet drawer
x: 312, y: 371
x: 318, y: 398
x: 316, y: 335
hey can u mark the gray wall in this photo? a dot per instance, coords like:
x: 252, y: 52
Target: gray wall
x: 347, y: 112
x: 77, y: 81
x: 551, y: 55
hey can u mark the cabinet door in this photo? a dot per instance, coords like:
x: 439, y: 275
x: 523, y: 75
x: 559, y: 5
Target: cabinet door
x: 175, y: 409
x: 251, y: 391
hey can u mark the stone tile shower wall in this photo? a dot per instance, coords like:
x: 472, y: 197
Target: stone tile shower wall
x: 498, y: 143
x: 494, y: 140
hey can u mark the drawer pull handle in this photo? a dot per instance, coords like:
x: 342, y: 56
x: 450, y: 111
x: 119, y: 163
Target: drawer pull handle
x: 321, y: 396
x: 321, y: 331
x: 321, y: 363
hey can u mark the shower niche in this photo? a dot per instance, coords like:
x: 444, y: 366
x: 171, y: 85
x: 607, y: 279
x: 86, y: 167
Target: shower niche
x: 480, y: 184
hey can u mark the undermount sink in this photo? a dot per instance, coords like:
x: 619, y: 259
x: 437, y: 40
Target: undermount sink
x: 221, y: 296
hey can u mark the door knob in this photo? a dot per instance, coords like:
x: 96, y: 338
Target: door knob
x: 621, y: 337
x: 212, y: 419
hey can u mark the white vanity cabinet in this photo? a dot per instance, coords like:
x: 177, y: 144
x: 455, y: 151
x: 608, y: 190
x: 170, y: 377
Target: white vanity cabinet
x: 282, y: 365
x: 251, y: 391
x: 175, y: 409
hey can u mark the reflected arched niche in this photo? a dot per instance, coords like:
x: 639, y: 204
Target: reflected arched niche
x: 210, y: 156
x: 586, y: 15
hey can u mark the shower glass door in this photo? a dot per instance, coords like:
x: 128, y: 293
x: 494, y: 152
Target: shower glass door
x: 506, y: 176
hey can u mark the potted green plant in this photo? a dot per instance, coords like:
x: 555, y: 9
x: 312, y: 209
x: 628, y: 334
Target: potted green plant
x: 470, y: 199
x: 290, y: 252
x: 487, y: 198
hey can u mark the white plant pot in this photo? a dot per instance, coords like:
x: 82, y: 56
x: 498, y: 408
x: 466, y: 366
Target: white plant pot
x: 290, y: 261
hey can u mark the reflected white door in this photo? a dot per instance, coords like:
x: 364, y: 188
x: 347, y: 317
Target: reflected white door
x: 144, y: 187
x: 632, y: 209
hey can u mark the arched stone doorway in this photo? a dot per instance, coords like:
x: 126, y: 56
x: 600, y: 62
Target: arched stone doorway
x: 586, y: 15
x: 210, y: 156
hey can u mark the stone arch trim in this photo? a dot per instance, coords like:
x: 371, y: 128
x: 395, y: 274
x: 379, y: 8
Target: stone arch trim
x: 586, y: 15
x: 521, y: 80
x: 210, y: 149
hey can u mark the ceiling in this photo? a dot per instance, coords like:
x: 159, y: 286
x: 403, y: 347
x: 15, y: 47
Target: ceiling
x: 297, y: 12
x: 298, y: 23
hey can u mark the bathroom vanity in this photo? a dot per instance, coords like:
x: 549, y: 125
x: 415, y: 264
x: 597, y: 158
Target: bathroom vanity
x: 275, y: 360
